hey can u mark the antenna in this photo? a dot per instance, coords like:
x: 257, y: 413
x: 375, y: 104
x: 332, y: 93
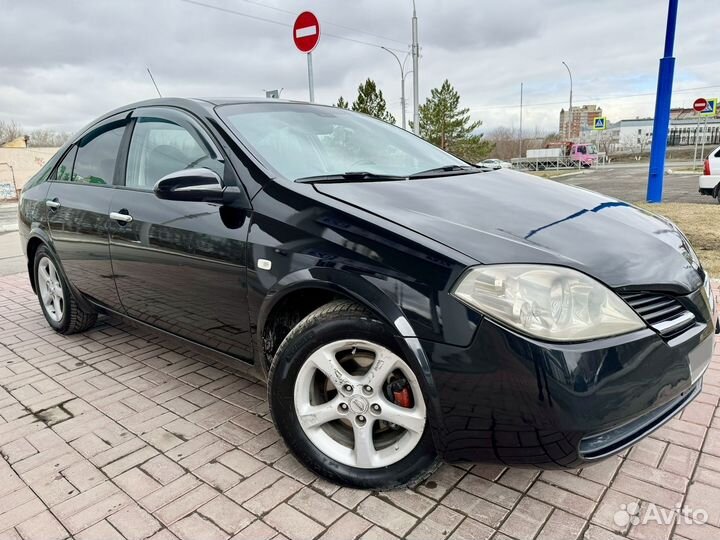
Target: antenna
x: 153, y: 81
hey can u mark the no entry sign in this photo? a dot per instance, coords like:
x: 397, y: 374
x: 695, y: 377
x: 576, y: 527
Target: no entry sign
x: 700, y: 104
x: 306, y: 32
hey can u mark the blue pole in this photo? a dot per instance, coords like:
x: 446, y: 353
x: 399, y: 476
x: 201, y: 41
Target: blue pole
x: 661, y: 122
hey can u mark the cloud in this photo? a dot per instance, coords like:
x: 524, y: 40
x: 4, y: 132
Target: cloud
x: 65, y: 63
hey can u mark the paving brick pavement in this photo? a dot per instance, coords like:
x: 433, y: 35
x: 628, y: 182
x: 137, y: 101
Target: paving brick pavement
x: 122, y: 433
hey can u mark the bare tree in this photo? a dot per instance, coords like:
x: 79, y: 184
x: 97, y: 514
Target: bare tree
x: 507, y: 142
x: 552, y: 138
x: 605, y: 143
x: 48, y: 138
x: 9, y: 131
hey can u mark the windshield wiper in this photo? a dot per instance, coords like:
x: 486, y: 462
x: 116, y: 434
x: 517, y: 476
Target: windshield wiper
x: 442, y: 171
x: 350, y: 176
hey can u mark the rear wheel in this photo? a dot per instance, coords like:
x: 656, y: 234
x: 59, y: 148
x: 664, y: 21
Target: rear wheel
x: 347, y: 403
x: 58, y: 303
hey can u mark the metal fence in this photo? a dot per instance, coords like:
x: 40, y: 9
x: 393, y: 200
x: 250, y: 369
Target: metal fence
x: 688, y: 135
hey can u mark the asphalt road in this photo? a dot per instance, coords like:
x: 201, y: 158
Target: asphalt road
x: 12, y: 260
x: 629, y: 183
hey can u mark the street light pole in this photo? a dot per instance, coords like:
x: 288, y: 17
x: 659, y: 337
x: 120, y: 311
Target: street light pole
x: 570, y: 113
x: 661, y: 122
x: 416, y: 57
x: 402, y: 82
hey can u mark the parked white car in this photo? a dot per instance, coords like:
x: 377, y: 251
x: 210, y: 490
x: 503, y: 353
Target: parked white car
x: 495, y: 164
x: 710, y: 180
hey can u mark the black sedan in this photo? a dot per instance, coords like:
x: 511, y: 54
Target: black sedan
x: 404, y: 306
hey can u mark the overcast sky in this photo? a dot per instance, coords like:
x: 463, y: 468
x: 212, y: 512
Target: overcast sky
x: 64, y: 63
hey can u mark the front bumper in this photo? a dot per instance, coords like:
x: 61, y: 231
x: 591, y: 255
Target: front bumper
x: 511, y: 399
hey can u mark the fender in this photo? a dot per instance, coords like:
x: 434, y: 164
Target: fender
x: 42, y: 235
x: 354, y: 286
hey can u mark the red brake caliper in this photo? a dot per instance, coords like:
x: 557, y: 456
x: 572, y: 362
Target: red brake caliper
x: 403, y: 397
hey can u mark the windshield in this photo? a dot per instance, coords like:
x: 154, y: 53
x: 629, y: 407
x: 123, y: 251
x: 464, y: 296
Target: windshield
x: 300, y: 141
x: 591, y: 149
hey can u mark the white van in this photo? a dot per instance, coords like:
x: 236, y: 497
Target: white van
x: 710, y: 180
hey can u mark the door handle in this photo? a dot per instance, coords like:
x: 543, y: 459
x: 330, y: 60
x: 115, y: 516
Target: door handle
x: 52, y: 204
x: 123, y: 218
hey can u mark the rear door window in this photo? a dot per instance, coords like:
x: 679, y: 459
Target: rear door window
x: 96, y: 155
x: 63, y: 172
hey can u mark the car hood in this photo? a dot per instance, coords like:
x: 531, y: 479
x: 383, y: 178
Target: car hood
x: 510, y: 217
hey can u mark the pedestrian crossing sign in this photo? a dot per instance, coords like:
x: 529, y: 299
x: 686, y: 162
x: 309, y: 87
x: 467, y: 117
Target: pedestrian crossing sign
x: 600, y: 123
x: 711, y: 109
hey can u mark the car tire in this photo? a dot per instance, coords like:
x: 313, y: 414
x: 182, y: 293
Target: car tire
x: 57, y: 301
x: 396, y: 456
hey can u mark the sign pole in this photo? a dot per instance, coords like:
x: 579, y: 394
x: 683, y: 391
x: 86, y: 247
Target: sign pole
x: 306, y: 34
x: 704, y: 130
x: 416, y: 73
x: 697, y: 131
x: 521, y: 111
x: 311, y: 82
x: 700, y: 105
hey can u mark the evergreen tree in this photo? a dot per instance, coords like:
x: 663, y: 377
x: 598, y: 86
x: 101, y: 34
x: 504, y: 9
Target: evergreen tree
x: 370, y: 101
x: 341, y: 103
x: 445, y: 124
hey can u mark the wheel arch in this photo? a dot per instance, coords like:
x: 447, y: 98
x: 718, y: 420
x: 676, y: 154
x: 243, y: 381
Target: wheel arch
x: 316, y: 287
x: 324, y: 285
x: 37, y: 238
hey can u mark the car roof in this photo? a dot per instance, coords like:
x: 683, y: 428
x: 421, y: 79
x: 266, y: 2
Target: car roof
x: 205, y: 102
x: 196, y: 105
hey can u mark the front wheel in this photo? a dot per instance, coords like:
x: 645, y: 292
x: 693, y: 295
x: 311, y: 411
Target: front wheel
x: 346, y: 402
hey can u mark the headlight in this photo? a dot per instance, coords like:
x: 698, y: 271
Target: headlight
x: 548, y: 302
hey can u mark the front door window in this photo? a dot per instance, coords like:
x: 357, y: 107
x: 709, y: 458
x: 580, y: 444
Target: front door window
x: 160, y: 147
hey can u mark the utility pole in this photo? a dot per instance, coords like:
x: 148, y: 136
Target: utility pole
x: 521, y: 111
x: 570, y: 111
x: 402, y: 82
x: 661, y: 122
x: 416, y: 57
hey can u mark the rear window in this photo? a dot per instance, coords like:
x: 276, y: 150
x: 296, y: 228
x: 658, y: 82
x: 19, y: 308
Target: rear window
x: 96, y: 155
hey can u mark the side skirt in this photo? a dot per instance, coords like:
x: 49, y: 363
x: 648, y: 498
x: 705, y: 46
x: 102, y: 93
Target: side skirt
x: 243, y: 366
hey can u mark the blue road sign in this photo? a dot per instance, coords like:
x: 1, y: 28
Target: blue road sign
x: 711, y: 109
x: 600, y: 123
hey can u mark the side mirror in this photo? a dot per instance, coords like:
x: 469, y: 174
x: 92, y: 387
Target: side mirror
x: 197, y: 185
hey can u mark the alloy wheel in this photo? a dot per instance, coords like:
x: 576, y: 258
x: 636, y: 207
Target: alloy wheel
x: 51, y: 291
x: 344, y: 402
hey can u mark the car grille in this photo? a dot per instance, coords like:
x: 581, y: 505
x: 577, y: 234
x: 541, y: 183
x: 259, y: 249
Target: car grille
x: 663, y: 313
